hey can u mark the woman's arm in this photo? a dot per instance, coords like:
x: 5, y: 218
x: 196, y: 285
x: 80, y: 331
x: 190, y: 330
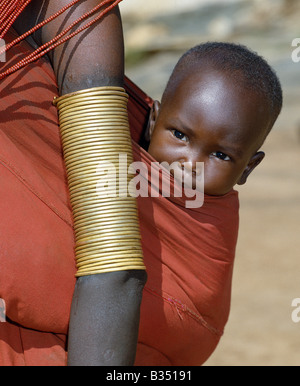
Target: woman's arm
x: 105, y: 319
x: 91, y: 59
x: 105, y: 311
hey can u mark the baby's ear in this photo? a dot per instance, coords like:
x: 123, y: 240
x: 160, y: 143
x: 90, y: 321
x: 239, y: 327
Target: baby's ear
x: 255, y: 161
x: 152, y: 120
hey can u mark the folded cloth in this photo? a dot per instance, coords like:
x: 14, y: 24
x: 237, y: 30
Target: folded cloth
x: 189, y: 253
x: 189, y: 257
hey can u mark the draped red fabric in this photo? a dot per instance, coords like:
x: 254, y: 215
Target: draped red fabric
x: 189, y: 253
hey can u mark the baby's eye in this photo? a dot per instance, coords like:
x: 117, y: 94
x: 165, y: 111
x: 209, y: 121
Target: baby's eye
x: 222, y: 156
x: 178, y: 134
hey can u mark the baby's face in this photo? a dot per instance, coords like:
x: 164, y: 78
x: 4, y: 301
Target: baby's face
x: 212, y: 120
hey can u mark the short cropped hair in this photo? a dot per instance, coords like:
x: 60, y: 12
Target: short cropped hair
x: 246, y: 66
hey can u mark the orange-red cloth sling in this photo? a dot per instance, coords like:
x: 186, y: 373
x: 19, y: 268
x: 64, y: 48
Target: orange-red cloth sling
x: 189, y: 253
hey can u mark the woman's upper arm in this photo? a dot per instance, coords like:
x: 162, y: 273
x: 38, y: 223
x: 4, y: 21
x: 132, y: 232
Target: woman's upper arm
x: 93, y: 58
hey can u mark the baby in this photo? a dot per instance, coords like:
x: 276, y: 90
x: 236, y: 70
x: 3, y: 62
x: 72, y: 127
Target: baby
x: 219, y: 105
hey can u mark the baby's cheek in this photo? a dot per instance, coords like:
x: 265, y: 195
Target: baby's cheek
x: 217, y: 182
x: 159, y: 151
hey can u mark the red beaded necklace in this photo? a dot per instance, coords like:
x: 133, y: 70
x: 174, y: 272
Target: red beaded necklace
x: 11, y: 9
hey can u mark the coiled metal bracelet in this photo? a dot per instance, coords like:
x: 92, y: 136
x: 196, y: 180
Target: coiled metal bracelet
x: 94, y: 131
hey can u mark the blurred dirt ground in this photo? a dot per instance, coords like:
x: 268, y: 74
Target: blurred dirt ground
x: 260, y: 331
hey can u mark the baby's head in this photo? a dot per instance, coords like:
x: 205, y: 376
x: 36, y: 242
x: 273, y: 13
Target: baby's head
x: 219, y: 105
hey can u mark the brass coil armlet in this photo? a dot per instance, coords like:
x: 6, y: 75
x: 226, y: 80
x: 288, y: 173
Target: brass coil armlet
x: 94, y: 131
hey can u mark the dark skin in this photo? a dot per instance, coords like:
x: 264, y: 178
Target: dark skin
x: 104, y: 318
x: 208, y: 118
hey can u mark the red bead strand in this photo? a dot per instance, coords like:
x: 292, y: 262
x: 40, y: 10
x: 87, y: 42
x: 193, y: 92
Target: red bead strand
x: 18, y: 7
x: 5, y: 25
x: 38, y: 26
